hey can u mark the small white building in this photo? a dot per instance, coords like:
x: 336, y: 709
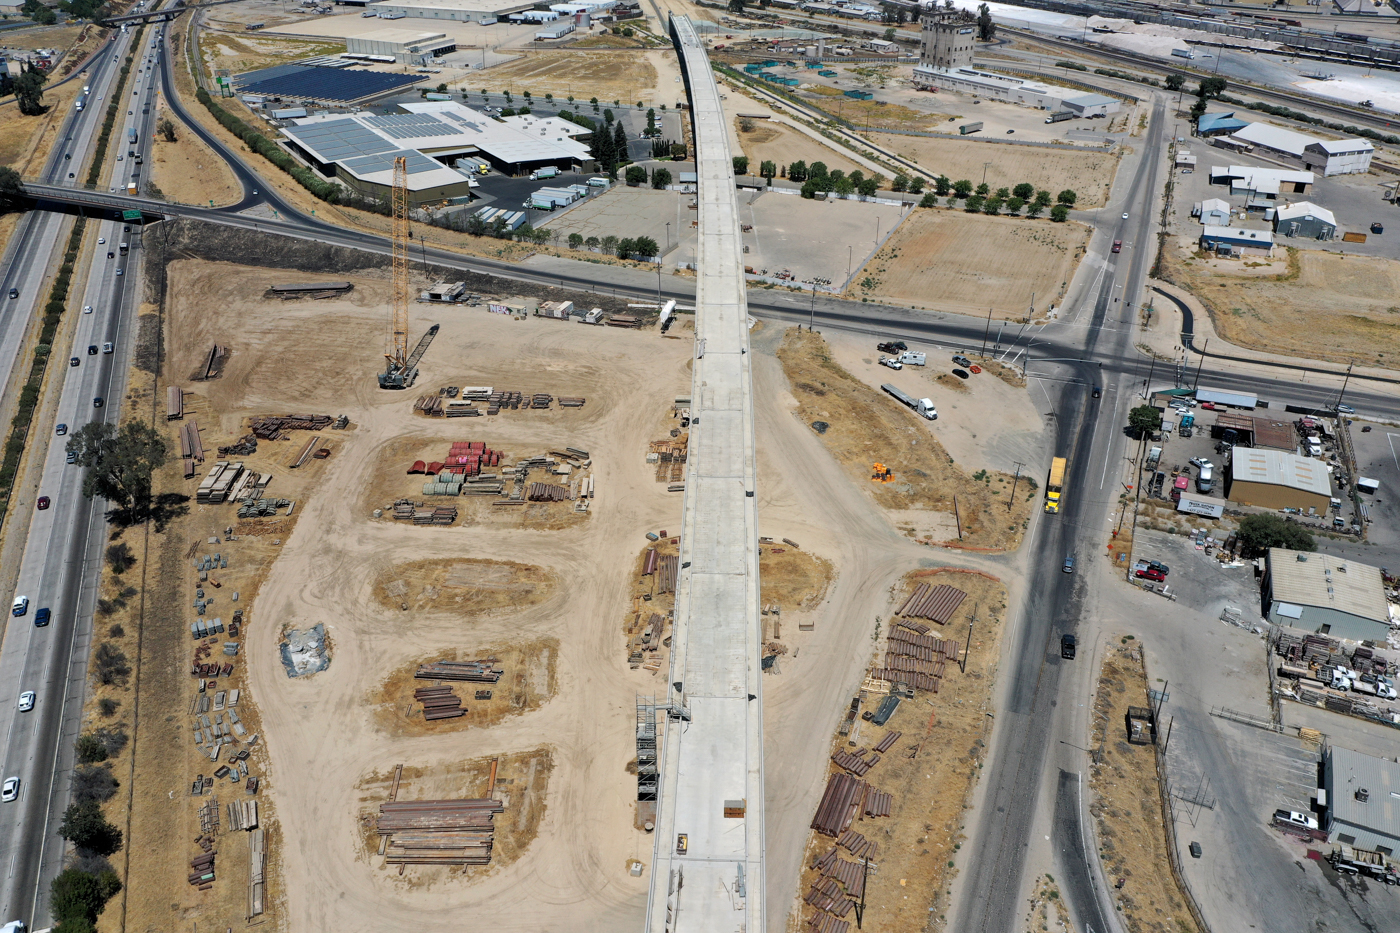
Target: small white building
x: 1213, y: 212
x: 1339, y: 156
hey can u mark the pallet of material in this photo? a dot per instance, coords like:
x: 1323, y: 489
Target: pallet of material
x: 918, y: 681
x: 857, y: 844
x: 541, y: 400
x: 570, y: 401
x: 430, y: 405
x: 174, y: 403
x: 935, y: 603
x: 483, y: 671
x: 257, y: 864
x: 196, y: 446
x: 888, y: 741
x: 843, y: 797
x: 270, y: 427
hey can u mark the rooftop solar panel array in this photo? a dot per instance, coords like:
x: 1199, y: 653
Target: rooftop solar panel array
x: 410, y: 126
x: 317, y: 83
x: 334, y: 140
x: 416, y: 162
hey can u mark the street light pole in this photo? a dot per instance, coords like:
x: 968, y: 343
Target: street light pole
x: 811, y: 324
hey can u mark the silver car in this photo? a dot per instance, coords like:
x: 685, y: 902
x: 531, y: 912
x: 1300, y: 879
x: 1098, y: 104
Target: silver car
x: 26, y: 701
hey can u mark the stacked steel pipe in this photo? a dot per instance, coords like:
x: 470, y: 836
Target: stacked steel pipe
x: 439, y: 832
x: 439, y: 703
x: 937, y: 603
x: 482, y: 671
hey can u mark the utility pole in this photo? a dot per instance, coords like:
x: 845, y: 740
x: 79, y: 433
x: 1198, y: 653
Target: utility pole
x: 986, y: 332
x: 1147, y: 389
x: 860, y: 908
x: 1345, y: 381
x: 968, y: 647
x: 812, y: 322
x: 1013, y: 485
x: 1202, y: 354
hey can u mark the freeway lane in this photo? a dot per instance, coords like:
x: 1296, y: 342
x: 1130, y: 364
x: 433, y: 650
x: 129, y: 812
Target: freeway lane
x: 39, y: 234
x: 59, y: 570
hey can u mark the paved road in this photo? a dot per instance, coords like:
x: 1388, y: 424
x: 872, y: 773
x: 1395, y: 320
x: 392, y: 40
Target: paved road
x: 1017, y: 764
x: 62, y: 555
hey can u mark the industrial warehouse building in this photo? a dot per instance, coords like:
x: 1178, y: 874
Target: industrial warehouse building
x: 1330, y: 157
x: 1275, y: 479
x: 1237, y: 240
x: 1326, y: 594
x: 460, y: 11
x: 1014, y: 90
x: 432, y: 135
x: 1213, y: 212
x: 1219, y: 124
x: 408, y: 46
x: 1305, y: 219
x: 1360, y: 800
x: 1261, y: 183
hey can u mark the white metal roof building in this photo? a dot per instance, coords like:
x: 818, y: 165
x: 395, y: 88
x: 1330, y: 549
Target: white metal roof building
x: 1305, y: 219
x: 1013, y: 90
x: 1363, y: 800
x: 1213, y: 212
x: 1266, y: 182
x: 1225, y: 239
x: 1327, y: 594
x: 461, y: 11
x: 1276, y: 139
x: 436, y: 130
x: 405, y: 45
x: 344, y: 148
x: 1339, y: 156
x: 1274, y: 479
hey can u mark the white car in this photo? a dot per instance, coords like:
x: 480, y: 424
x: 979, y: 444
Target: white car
x: 1125, y: 215
x: 1201, y: 463
x: 26, y: 701
x: 101, y: 240
x: 891, y: 362
x: 87, y: 309
x: 10, y: 789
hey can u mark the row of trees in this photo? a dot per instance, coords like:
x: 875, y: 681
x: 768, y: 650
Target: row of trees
x: 28, y: 88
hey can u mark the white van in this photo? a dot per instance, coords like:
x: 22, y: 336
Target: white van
x: 1206, y: 481
x: 21, y: 606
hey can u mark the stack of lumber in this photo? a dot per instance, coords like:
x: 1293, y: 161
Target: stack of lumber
x: 439, y: 703
x: 439, y: 832
x: 270, y: 427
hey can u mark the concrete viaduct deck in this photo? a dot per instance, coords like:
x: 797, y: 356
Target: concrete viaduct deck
x: 712, y: 752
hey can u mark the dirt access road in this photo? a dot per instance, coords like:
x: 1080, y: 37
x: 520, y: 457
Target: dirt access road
x: 322, y: 732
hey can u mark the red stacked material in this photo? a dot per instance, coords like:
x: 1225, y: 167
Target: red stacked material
x: 856, y: 764
x: 936, y: 603
x: 668, y: 568
x: 888, y: 741
x: 843, y: 797
x: 433, y: 468
x: 910, y: 624
x: 418, y: 467
x: 857, y: 844
x: 438, y: 832
x: 547, y: 492
x: 826, y: 923
x: 649, y: 564
x: 913, y: 678
x: 468, y: 457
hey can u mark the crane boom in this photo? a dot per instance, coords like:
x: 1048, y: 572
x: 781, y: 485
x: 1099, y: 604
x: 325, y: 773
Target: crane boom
x: 398, y: 333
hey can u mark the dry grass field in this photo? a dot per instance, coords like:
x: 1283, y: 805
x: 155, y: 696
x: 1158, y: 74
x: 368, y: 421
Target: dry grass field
x: 770, y: 140
x: 187, y: 172
x: 949, y: 260
x: 1089, y: 173
x: 606, y: 75
x: 1127, y: 806
x: 240, y: 53
x: 1310, y: 303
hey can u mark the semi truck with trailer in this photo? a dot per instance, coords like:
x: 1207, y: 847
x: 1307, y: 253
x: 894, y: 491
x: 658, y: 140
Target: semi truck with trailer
x: 922, y: 406
x: 1054, y: 484
x: 1060, y: 117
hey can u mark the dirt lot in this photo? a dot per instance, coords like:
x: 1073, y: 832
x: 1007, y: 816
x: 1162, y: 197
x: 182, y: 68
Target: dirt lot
x: 325, y: 731
x: 781, y: 236
x: 1127, y: 805
x: 769, y: 140
x: 522, y: 784
x: 1090, y: 174
x: 949, y: 260
x: 25, y: 142
x: 606, y: 75
x: 470, y: 587
x: 865, y: 427
x: 930, y: 770
x: 187, y: 172
x: 792, y: 578
x: 528, y: 682
x: 1308, y: 303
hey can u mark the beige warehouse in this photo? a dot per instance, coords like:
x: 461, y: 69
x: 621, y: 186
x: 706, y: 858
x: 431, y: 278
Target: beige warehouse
x: 405, y: 45
x: 1272, y: 479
